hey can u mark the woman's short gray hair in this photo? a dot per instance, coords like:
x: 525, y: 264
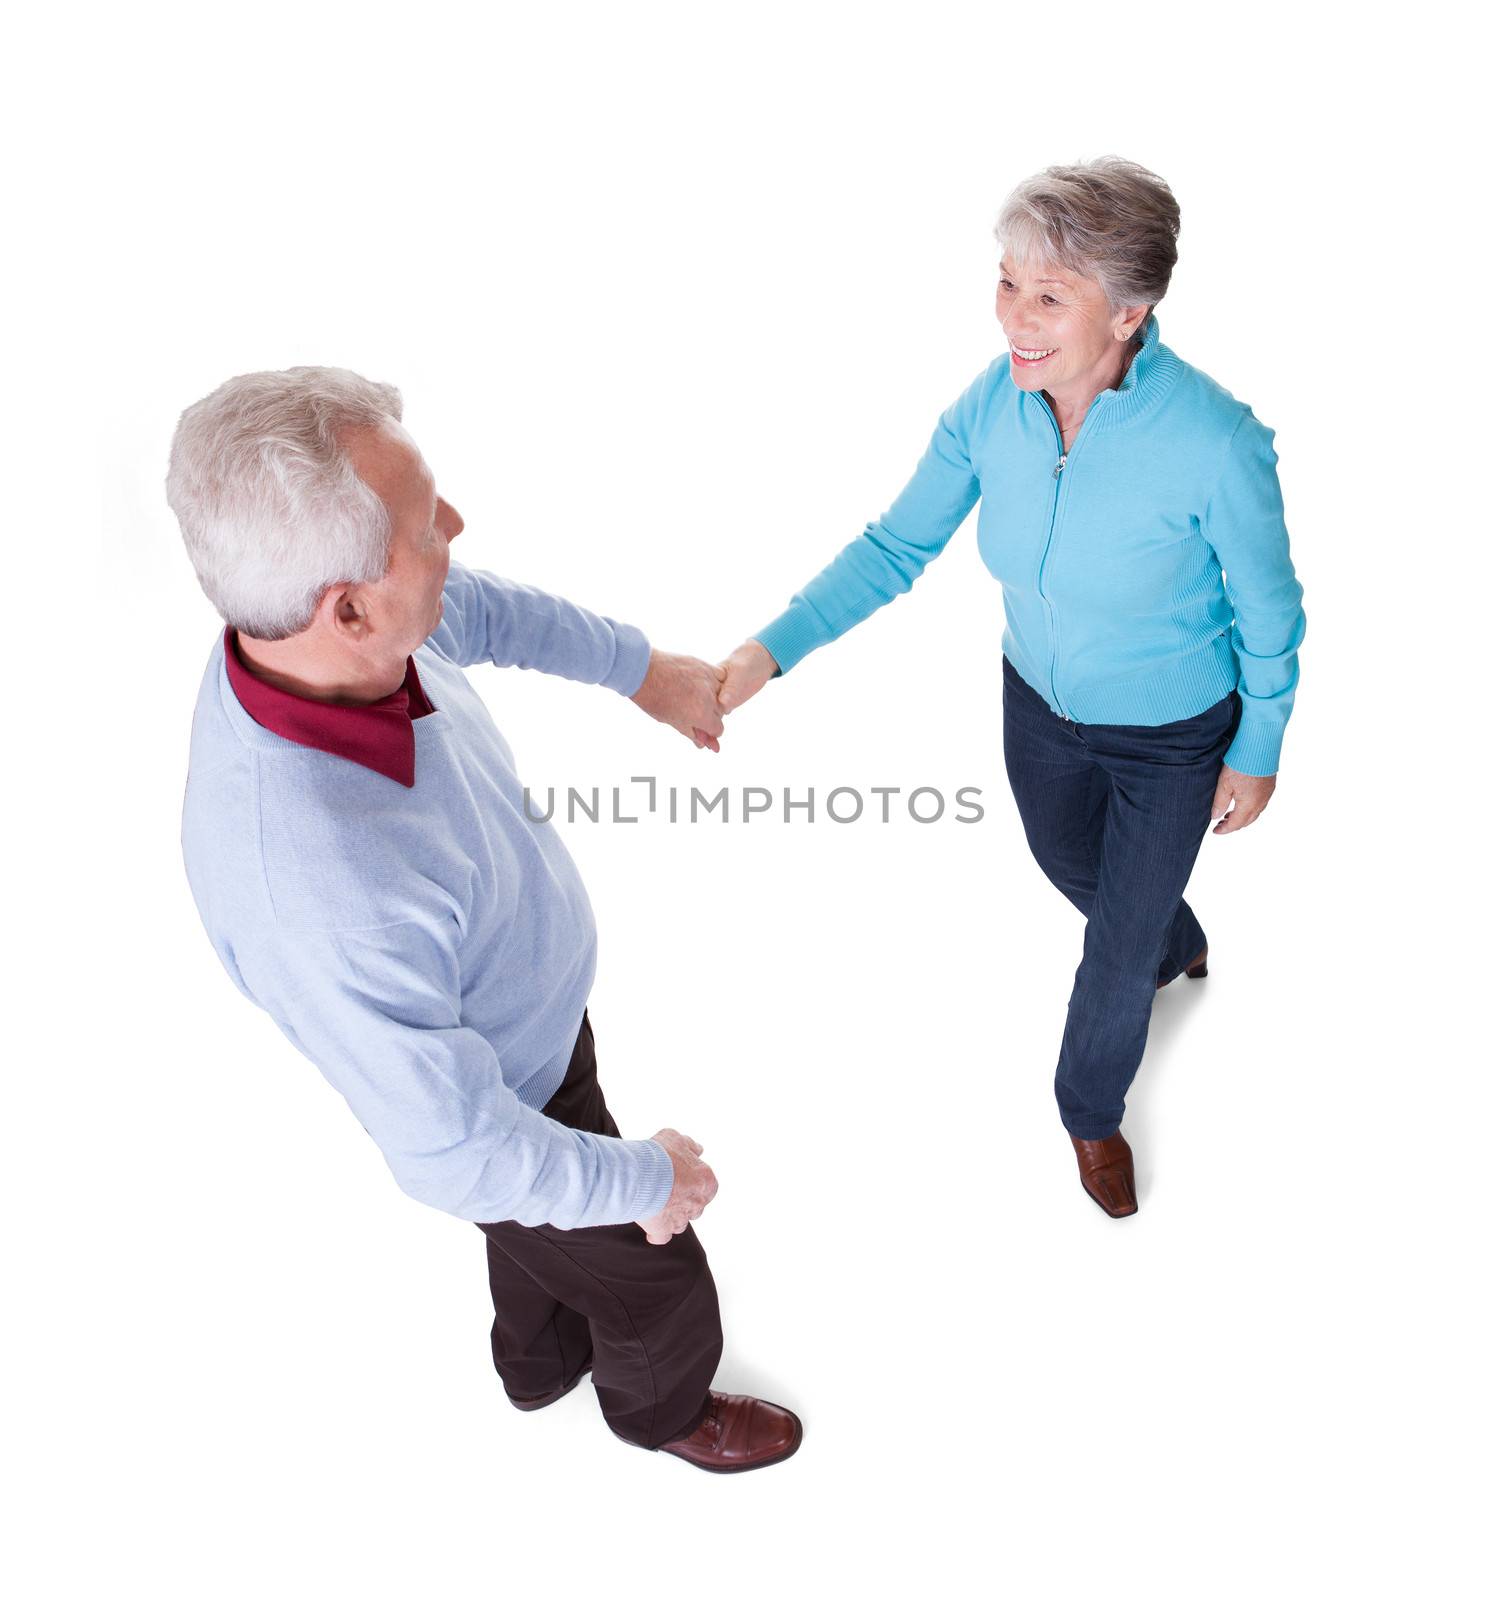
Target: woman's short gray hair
x: 1111, y: 220
x: 272, y: 511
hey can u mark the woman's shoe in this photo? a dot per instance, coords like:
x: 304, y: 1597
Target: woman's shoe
x: 1197, y: 968
x: 1107, y: 1169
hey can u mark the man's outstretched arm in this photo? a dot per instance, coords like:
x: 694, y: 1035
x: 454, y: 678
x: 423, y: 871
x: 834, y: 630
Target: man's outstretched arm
x: 490, y: 618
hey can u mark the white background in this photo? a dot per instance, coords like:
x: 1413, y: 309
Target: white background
x: 674, y: 295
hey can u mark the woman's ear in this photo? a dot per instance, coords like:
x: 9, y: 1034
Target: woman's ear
x: 1135, y: 319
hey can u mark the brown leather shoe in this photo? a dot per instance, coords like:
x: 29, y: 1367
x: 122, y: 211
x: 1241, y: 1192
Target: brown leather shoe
x: 1196, y: 968
x: 548, y: 1399
x: 739, y: 1433
x: 1107, y: 1168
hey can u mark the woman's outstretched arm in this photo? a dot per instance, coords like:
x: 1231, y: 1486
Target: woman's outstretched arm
x: 883, y: 562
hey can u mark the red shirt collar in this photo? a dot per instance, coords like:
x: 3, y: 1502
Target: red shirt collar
x: 378, y: 735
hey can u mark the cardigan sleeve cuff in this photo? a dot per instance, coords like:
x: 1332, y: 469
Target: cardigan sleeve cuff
x: 1255, y: 750
x: 793, y: 634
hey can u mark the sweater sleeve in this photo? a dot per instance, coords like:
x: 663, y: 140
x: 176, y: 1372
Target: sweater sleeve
x: 489, y: 618
x: 888, y: 557
x: 377, y: 1013
x: 1244, y: 522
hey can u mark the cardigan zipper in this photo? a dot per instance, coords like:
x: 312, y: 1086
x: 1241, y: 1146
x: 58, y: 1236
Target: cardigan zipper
x: 1051, y: 614
x: 1051, y: 610
x: 1056, y: 503
x: 1040, y: 573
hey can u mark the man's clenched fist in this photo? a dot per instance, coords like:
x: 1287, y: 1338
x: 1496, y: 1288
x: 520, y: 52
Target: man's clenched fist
x: 693, y: 1186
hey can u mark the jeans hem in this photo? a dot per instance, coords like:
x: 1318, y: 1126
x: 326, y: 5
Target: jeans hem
x: 1089, y: 1131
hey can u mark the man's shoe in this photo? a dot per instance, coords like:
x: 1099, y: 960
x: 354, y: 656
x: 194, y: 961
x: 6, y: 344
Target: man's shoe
x: 1107, y: 1168
x: 739, y: 1433
x: 1196, y: 968
x: 549, y: 1399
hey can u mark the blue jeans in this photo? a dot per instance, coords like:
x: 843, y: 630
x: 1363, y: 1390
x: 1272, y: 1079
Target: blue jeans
x: 1115, y: 815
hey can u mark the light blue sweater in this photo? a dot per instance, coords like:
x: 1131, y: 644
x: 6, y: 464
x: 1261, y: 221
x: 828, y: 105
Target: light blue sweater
x: 1146, y: 571
x: 431, y: 949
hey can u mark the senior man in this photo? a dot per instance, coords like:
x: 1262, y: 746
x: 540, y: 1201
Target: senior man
x: 356, y: 841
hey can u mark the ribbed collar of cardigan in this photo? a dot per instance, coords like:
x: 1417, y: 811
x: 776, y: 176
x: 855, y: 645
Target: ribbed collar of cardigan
x: 378, y: 735
x: 1147, y: 381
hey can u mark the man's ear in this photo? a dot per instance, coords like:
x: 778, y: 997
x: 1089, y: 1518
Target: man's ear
x: 345, y: 610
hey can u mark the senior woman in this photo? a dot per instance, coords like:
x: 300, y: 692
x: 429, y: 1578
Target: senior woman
x: 1132, y: 513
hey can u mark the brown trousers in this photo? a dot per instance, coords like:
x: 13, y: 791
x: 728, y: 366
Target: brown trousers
x: 645, y: 1315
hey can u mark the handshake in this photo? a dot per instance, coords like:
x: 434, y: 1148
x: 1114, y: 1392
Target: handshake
x: 694, y: 697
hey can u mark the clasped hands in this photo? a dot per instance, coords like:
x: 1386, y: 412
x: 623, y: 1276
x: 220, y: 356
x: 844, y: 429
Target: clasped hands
x: 694, y: 697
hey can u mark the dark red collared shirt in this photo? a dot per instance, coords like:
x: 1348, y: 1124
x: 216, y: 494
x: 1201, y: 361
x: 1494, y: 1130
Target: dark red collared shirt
x: 378, y: 735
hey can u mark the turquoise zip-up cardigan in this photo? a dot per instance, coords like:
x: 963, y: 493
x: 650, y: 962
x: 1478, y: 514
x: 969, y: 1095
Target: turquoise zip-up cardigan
x: 1146, y: 571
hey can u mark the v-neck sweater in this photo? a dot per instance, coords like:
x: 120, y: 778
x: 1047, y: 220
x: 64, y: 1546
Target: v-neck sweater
x: 430, y: 948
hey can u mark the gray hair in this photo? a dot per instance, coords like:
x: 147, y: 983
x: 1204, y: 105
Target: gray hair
x: 1111, y: 220
x: 272, y: 511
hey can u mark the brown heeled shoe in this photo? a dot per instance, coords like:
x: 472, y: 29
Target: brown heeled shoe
x: 1195, y: 969
x: 1107, y: 1170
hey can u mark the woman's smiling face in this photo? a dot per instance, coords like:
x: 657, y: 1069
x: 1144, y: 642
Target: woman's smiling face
x: 1062, y: 334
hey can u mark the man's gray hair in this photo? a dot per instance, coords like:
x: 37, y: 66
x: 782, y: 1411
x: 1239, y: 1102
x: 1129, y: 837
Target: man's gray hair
x: 272, y: 511
x: 1111, y: 220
